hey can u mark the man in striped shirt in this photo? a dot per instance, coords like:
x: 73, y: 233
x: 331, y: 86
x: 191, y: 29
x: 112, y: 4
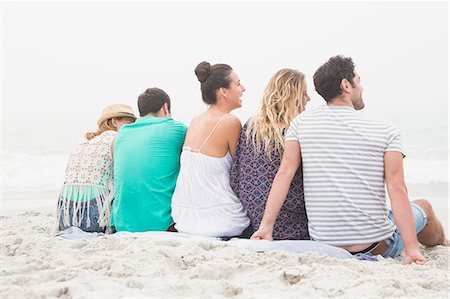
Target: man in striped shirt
x: 347, y: 159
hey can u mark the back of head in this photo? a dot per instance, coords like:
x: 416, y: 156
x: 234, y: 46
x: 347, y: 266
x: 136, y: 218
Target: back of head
x: 212, y: 77
x: 151, y: 101
x: 328, y: 77
x: 282, y: 101
x: 109, y: 112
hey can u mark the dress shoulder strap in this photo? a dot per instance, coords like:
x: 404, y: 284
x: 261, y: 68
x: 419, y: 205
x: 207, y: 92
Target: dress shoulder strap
x: 215, y: 127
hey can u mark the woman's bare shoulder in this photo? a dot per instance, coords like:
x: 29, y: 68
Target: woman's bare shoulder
x: 231, y: 126
x: 233, y: 121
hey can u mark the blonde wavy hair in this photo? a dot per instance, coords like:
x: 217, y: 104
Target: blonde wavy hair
x: 105, y: 126
x: 281, y: 103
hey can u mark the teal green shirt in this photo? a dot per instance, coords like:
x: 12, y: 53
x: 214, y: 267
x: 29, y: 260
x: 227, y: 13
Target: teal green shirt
x: 146, y: 166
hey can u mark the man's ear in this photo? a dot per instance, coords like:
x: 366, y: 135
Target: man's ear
x: 166, y: 109
x: 345, y: 85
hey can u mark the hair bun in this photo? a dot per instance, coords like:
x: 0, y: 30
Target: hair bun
x: 202, y: 71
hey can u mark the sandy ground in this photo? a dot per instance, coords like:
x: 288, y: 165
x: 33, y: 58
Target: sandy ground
x: 35, y: 264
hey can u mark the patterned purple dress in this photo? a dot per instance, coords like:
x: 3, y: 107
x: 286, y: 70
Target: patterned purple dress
x: 251, y: 177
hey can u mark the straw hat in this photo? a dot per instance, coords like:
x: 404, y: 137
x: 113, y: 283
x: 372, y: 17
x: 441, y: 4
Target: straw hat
x: 116, y: 110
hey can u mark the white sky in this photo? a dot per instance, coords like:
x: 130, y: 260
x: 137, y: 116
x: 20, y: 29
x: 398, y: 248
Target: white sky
x: 63, y: 62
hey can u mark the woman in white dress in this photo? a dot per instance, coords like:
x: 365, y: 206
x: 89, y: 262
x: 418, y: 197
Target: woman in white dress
x: 203, y: 202
x: 88, y: 190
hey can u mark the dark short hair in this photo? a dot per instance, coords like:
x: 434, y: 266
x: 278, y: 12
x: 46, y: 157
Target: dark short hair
x: 151, y: 101
x: 212, y: 77
x: 328, y: 77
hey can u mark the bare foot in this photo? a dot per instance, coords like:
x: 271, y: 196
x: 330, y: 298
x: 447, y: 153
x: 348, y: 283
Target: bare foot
x: 446, y: 243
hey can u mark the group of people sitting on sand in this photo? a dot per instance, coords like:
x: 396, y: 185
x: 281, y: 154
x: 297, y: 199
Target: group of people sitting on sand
x: 285, y: 175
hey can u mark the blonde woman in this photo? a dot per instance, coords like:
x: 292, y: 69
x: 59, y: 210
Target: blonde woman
x: 88, y: 190
x: 259, y: 151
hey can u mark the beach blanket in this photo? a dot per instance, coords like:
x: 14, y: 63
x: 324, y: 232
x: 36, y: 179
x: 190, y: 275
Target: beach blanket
x: 295, y: 246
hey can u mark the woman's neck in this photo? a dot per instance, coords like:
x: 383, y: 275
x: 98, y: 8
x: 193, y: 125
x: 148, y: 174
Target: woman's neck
x: 219, y: 109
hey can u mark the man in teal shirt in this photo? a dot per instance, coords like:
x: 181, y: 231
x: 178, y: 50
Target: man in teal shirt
x: 146, y: 166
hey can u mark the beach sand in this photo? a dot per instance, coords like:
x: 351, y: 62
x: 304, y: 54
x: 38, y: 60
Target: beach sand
x: 35, y: 264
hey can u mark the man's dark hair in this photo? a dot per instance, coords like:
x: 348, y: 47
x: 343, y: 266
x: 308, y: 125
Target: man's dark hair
x: 212, y: 77
x: 151, y: 101
x: 328, y: 77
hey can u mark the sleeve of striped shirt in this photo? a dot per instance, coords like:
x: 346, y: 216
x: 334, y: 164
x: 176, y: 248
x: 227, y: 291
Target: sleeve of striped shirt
x: 292, y: 133
x: 394, y: 140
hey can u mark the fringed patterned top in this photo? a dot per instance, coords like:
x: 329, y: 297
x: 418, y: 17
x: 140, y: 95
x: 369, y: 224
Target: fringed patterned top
x: 89, y: 176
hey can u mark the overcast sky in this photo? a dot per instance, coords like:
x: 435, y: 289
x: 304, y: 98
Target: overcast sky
x: 63, y: 62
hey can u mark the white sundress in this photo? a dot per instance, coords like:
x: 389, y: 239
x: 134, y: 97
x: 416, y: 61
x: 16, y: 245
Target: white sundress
x: 203, y: 202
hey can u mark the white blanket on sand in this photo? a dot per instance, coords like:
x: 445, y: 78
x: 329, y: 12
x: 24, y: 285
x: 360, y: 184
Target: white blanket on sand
x: 297, y: 246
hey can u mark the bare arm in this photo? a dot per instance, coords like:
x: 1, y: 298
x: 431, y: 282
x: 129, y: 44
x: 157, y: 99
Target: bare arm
x: 234, y: 130
x: 280, y: 188
x: 401, y: 208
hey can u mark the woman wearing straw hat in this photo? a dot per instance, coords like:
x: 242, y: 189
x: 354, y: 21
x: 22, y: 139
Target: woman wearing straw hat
x: 88, y: 190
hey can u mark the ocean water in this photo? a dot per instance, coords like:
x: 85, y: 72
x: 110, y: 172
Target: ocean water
x: 33, y: 172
